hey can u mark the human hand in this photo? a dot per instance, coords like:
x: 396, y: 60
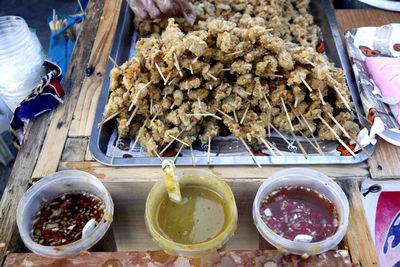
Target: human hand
x: 152, y: 9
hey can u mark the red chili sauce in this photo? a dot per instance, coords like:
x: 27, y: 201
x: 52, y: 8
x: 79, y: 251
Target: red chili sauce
x: 293, y: 210
x: 61, y: 220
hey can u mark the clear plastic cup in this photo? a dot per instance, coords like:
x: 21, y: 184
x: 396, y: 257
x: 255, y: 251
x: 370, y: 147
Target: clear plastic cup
x: 21, y: 59
x: 191, y: 177
x: 51, y: 187
x: 314, y: 180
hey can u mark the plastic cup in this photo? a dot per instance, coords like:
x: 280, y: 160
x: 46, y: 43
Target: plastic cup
x: 21, y: 59
x: 51, y: 187
x: 314, y: 180
x: 191, y: 177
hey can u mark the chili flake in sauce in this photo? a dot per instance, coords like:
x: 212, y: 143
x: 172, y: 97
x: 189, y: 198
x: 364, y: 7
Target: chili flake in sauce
x: 60, y: 221
x: 298, y: 210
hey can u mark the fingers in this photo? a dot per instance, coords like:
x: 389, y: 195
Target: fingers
x: 138, y: 8
x: 166, y: 7
x: 187, y: 10
x: 152, y: 9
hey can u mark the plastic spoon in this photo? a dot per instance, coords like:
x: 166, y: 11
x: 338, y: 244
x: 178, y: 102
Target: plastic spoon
x: 171, y: 181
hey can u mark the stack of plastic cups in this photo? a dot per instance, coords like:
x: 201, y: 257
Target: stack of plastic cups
x: 21, y: 58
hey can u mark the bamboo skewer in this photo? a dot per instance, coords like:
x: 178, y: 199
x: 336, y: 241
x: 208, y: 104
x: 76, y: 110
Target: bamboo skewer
x: 234, y: 53
x: 132, y: 115
x: 305, y: 123
x: 342, y: 98
x: 337, y: 136
x: 155, y: 116
x: 269, y: 148
x: 269, y: 125
x: 115, y: 149
x: 195, y: 60
x: 109, y: 118
x: 309, y: 62
x: 138, y: 135
x: 179, y: 140
x: 204, y: 114
x: 348, y: 135
x: 244, y: 114
x: 312, y: 135
x: 299, y: 144
x: 170, y: 82
x: 159, y: 70
x: 170, y: 143
x: 191, y: 46
x: 209, y: 149
x: 361, y: 115
x: 308, y: 140
x: 226, y: 115
x: 266, y: 100
x: 137, y: 95
x: 235, y: 116
x: 113, y: 62
x: 275, y: 75
x: 306, y: 84
x: 287, y: 115
x: 166, y: 79
x: 274, y: 147
x: 176, y: 63
x: 151, y: 105
x: 179, y: 151
x: 266, y: 30
x: 212, y: 76
x: 158, y: 156
x: 251, y: 153
x: 191, y: 69
x: 338, y: 92
x: 322, y: 97
x: 191, y: 152
x: 80, y: 7
x: 281, y: 135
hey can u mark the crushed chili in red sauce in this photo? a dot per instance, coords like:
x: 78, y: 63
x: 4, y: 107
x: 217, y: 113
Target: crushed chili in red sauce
x: 298, y: 210
x: 61, y: 220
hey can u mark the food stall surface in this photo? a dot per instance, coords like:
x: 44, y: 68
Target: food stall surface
x: 59, y: 141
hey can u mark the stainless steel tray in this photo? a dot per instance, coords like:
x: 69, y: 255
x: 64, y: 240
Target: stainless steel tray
x: 323, y: 16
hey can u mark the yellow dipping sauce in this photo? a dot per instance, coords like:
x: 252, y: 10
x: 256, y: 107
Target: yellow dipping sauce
x: 199, y: 217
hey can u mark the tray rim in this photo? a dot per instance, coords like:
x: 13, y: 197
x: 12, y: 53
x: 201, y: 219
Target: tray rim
x: 297, y: 159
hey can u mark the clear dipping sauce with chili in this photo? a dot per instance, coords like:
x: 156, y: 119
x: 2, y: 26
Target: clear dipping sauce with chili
x: 298, y: 210
x: 61, y: 220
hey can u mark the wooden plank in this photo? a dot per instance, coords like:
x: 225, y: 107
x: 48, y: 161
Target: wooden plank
x: 358, y: 237
x: 18, y: 182
x: 88, y: 155
x: 75, y: 149
x: 385, y: 160
x: 129, y: 225
x: 351, y: 18
x: 124, y: 174
x: 337, y: 258
x: 59, y: 126
x: 382, y: 165
x: 91, y: 88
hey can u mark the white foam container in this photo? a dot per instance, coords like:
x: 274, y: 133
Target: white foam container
x: 51, y: 187
x: 312, y: 179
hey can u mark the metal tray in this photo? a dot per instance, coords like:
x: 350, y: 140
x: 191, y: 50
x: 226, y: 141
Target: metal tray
x: 323, y: 16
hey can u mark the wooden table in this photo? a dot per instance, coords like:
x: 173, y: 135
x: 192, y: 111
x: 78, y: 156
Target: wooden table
x: 59, y: 140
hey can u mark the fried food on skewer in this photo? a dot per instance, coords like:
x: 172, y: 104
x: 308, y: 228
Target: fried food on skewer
x: 246, y: 73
